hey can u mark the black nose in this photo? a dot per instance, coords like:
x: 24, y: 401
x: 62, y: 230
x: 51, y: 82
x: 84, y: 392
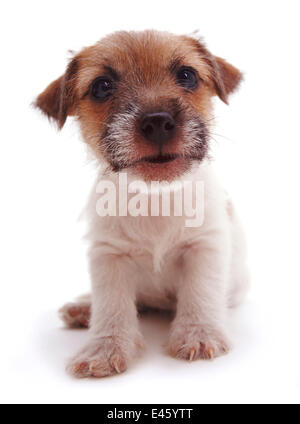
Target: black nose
x: 158, y: 127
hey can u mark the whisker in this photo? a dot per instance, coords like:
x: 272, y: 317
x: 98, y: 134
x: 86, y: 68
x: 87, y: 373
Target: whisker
x: 220, y: 135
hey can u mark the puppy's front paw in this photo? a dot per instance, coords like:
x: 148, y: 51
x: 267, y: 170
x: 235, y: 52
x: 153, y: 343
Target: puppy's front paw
x: 103, y: 357
x: 191, y: 342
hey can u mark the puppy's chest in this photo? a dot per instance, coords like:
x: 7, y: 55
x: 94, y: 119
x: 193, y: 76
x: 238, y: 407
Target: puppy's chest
x: 155, y: 241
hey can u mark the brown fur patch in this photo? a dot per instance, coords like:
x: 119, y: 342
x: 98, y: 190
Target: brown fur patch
x: 225, y: 77
x: 58, y: 100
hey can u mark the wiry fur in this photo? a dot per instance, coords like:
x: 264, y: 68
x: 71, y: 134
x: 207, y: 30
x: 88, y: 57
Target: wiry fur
x: 153, y: 261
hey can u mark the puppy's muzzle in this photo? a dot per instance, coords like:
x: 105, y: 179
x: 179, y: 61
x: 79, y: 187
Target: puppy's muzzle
x: 158, y: 127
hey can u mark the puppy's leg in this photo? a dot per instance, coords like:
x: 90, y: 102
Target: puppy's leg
x: 114, y: 334
x: 239, y: 274
x: 199, y: 328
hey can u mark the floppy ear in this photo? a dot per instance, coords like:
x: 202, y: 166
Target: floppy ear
x: 58, y: 100
x: 226, y: 78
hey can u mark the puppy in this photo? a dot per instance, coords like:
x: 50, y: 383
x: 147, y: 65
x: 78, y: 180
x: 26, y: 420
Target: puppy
x: 143, y: 101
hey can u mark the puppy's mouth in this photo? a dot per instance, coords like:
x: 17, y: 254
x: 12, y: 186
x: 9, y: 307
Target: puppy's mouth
x: 160, y: 159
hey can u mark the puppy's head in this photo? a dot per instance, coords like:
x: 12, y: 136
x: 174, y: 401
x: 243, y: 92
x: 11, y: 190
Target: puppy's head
x: 143, y: 100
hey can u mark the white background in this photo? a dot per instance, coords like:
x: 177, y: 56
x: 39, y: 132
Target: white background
x: 46, y: 176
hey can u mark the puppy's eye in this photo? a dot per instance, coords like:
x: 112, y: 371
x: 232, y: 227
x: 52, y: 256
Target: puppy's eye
x: 187, y: 78
x: 101, y: 89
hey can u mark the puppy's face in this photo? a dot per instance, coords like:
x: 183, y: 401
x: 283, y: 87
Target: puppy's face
x: 143, y: 100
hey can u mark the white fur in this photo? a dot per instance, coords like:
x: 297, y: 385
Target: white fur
x: 158, y: 262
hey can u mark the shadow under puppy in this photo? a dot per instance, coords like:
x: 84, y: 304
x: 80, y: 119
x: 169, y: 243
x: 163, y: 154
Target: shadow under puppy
x: 143, y: 103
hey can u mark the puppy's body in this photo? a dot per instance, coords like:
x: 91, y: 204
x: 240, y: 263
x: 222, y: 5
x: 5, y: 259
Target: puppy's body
x: 158, y: 245
x: 155, y: 125
x: 157, y: 262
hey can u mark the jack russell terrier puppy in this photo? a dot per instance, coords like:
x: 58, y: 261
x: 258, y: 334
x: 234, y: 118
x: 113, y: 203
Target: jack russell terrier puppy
x: 143, y: 101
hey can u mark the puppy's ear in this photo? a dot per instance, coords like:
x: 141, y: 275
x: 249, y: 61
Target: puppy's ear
x: 226, y: 78
x: 58, y: 100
